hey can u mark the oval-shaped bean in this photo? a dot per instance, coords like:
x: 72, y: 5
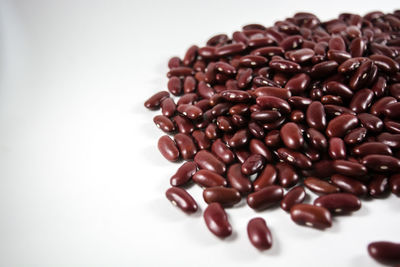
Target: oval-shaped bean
x: 180, y: 198
x: 272, y: 91
x: 229, y: 49
x: 349, y: 185
x: 186, y: 146
x: 381, y: 163
x: 337, y: 148
x: 339, y: 89
x: 394, y: 90
x: 349, y: 168
x: 206, y: 160
x: 355, y: 136
x: 392, y: 126
x: 236, y: 95
x: 180, y: 72
x: 222, y: 195
x: 385, y: 252
x: 320, y: 186
x: 341, y: 124
x: 385, y: 64
x: 287, y: 176
x: 360, y: 76
x: 298, y: 83
x: 317, y: 140
x: 294, y: 158
x: 310, y: 215
x: 285, y: 66
x: 253, y: 164
x: 266, y: 115
x: 265, y: 198
x: 291, y: 135
x: 392, y: 111
x: 394, y: 183
x: 174, y: 62
x: 175, y: 85
x: 268, y: 51
x: 266, y: 178
x: 164, y: 123
x: 239, y: 139
x: 295, y: 196
x: 301, y: 55
x: 217, y: 220
x: 335, y: 110
x: 339, y: 202
x: 168, y: 107
x: 168, y: 148
x: 378, y: 186
x: 155, y: 100
x: 184, y: 173
x: 258, y: 147
x: 190, y: 111
x: 253, y: 61
x: 201, y: 139
x: 272, y: 102
x: 222, y: 151
x: 361, y: 100
x: 391, y: 140
x: 238, y: 180
x: 315, y: 116
x: 324, y: 68
x: 256, y: 130
x: 206, y: 178
x: 370, y: 122
x: 259, y: 234
x: 185, y: 126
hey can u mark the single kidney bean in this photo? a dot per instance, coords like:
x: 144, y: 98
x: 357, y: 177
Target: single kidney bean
x: 285, y: 66
x: 380, y: 86
x: 236, y: 96
x: 224, y: 123
x: 189, y: 84
x: 394, y: 90
x: 298, y: 83
x: 154, y: 101
x: 340, y: 125
x: 184, y: 173
x: 339, y: 202
x: 222, y: 195
x: 206, y: 160
x: 320, y: 186
x: 372, y: 123
x: 338, y: 56
x: 297, y: 116
x: 272, y: 139
x: 385, y: 64
x: 239, y: 139
x: 287, y: 176
x: 185, y: 126
x: 295, y: 196
x: 351, y: 64
x: 217, y: 220
x: 180, y: 72
x: 392, y: 111
x: 256, y: 130
x: 201, y: 139
x: 335, y: 110
x: 272, y: 102
x: 265, y: 197
x: 212, y: 131
x: 229, y: 49
x: 337, y: 148
x: 339, y: 89
x: 187, y: 99
x: 186, y: 146
x: 394, y: 183
x: 378, y: 186
x: 268, y: 51
x: 379, y: 106
x: 355, y: 136
x: 324, y: 68
x: 301, y: 55
x: 168, y: 107
x: 253, y: 61
x: 175, y: 85
x: 181, y: 199
x: 222, y: 151
x: 272, y: 91
x: 381, y: 163
x: 168, y: 148
x: 317, y: 140
x: 238, y: 180
x: 391, y: 140
x: 385, y: 252
x: 299, y: 102
x: 292, y: 136
x: 360, y: 76
x: 190, y: 111
x: 258, y: 147
x: 371, y: 148
x: 259, y: 234
x: 164, y: 123
x: 253, y: 164
x: 206, y: 178
x: 266, y: 115
x: 392, y: 126
x: 294, y: 158
x: 310, y: 215
x: 349, y: 185
x: 349, y: 168
x: 242, y: 154
x: 174, y: 62
x: 266, y: 178
x: 315, y: 116
x: 361, y: 100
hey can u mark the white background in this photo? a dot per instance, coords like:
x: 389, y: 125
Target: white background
x: 81, y: 180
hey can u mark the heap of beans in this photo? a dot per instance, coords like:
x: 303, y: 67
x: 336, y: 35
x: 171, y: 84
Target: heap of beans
x: 301, y: 103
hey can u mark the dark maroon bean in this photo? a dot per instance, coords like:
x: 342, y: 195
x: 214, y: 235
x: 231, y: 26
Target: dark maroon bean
x: 392, y: 111
x: 222, y: 151
x: 378, y: 186
x: 334, y: 110
x: 316, y: 139
x: 189, y: 84
x: 262, y: 81
x: 174, y: 62
x: 394, y: 90
x: 185, y: 126
x: 266, y: 115
x: 293, y: 197
x: 168, y: 107
x: 224, y: 124
x: 272, y: 102
x: 201, y: 139
x: 349, y: 168
x: 154, y: 101
x: 238, y: 180
x: 205, y: 90
x: 253, y: 61
x: 168, y: 148
x: 358, y: 47
x: 273, y: 139
x: 256, y: 130
x: 338, y: 56
x: 361, y: 100
x: 258, y: 147
x: 253, y: 164
x: 294, y: 158
x: 239, y: 109
x: 340, y: 125
x: 324, y: 68
x: 217, y: 39
x: 257, y: 42
x: 385, y: 252
x: 287, y: 176
x: 285, y: 66
x: 183, y: 174
x: 164, y: 123
x: 331, y: 100
x: 355, y: 136
x: 310, y: 215
x: 291, y: 136
x: 175, y: 85
x: 265, y: 198
x: 190, y: 111
x: 360, y: 76
x: 180, y: 72
x: 206, y: 178
x: 229, y: 49
x: 337, y: 148
x: 340, y: 89
x: 320, y: 186
x: 394, y: 183
x: 225, y: 68
x: 244, y: 77
x: 186, y: 146
x: 297, y: 116
x: 220, y: 109
x: 351, y: 64
x: 371, y: 148
x: 272, y: 91
x: 180, y: 198
x: 239, y: 139
x: 349, y: 185
x: 259, y: 234
x: 206, y: 160
x: 372, y: 123
x: 266, y: 178
x: 301, y: 55
x: 212, y: 131
x: 339, y: 202
x: 315, y: 116
x: 190, y: 55
x: 380, y: 86
x: 379, y: 106
x: 391, y: 140
x: 222, y: 195
x: 268, y: 51
x: 385, y: 63
x: 298, y: 83
x: 337, y: 43
x: 299, y: 102
x: 236, y: 96
x: 217, y: 220
x: 381, y: 163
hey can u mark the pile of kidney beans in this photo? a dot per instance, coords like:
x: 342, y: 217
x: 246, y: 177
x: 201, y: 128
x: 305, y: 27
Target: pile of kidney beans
x: 301, y: 103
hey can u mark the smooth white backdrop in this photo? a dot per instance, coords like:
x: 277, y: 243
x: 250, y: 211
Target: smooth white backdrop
x: 81, y: 180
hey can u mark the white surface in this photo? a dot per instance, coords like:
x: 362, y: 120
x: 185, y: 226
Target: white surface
x: 81, y: 180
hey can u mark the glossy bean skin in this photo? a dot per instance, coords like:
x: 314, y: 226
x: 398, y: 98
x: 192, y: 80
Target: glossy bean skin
x: 185, y: 126
x: 164, y: 123
x: 298, y: 83
x: 339, y: 203
x: 239, y: 139
x: 295, y: 196
x: 168, y: 107
x: 315, y: 116
x: 370, y: 122
x: 206, y: 160
x: 175, y: 85
x: 340, y: 125
x: 201, y: 139
x: 184, y: 173
x: 237, y: 96
x: 287, y: 175
x: 186, y: 146
x: 349, y: 168
x: 272, y: 91
x: 168, y: 148
x: 349, y: 185
x: 310, y: 215
x: 392, y: 111
x: 292, y: 136
x: 238, y: 180
x: 317, y: 140
x: 391, y: 140
x: 339, y: 89
x: 394, y: 183
x: 337, y: 148
x: 378, y: 108
x: 222, y: 195
x: 265, y: 198
x: 266, y: 115
x: 266, y: 178
x: 381, y: 163
x: 361, y: 100
x: 385, y: 252
x: 355, y: 136
x: 219, y: 149
x: 206, y: 178
x: 253, y: 164
x: 181, y: 199
x: 154, y: 101
x: 320, y: 186
x: 272, y: 102
x: 257, y: 146
x: 285, y: 66
x: 190, y: 111
x: 216, y: 220
x: 378, y: 186
x: 294, y: 158
x: 259, y: 234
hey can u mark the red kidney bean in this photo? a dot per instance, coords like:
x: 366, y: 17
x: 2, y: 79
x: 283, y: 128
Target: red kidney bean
x: 351, y: 64
x: 349, y: 168
x: 183, y: 174
x: 175, y: 85
x: 168, y: 148
x: 339, y: 89
x: 164, y: 123
x: 287, y: 176
x: 360, y: 76
x: 222, y: 151
x: 355, y: 136
x: 201, y: 139
x: 391, y: 140
x: 361, y: 100
x: 372, y: 123
x: 181, y: 199
x: 168, y: 107
x: 339, y: 202
x: 174, y: 62
x: 258, y: 147
x: 266, y: 178
x: 394, y: 90
x: 272, y: 91
x: 190, y: 55
x: 324, y: 68
x: 337, y: 43
x: 392, y: 126
x: 291, y: 136
x: 190, y: 111
x: 334, y: 110
x: 349, y: 185
x: 256, y: 130
x: 331, y: 100
x: 259, y: 234
x: 225, y: 68
x: 381, y: 163
x: 293, y: 197
x: 297, y: 116
x: 186, y: 146
x: 394, y: 183
x: 294, y: 158
x: 180, y: 72
x: 385, y: 63
x: 340, y: 125
x: 337, y: 148
x: 154, y: 101
x: 301, y: 55
x: 253, y: 164
x: 268, y: 51
x: 229, y: 49
x: 310, y: 215
x: 222, y: 195
x: 338, y: 56
x: 358, y: 47
x: 212, y: 132
x: 236, y: 95
x: 185, y: 126
x: 238, y: 180
x: 385, y: 252
x: 218, y: 39
x: 206, y: 178
x: 253, y: 61
x: 272, y: 102
x: 320, y: 186
x: 266, y: 115
x: 379, y: 87
x: 371, y: 148
x: 379, y: 106
x: 187, y: 99
x: 298, y: 83
x: 317, y: 140
x: 392, y: 111
x: 378, y: 186
x: 224, y: 124
x: 315, y: 116
x: 217, y: 220
x: 299, y: 102
x: 265, y: 197
x: 239, y: 139
x: 273, y: 139
x: 285, y: 66
x: 206, y: 160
